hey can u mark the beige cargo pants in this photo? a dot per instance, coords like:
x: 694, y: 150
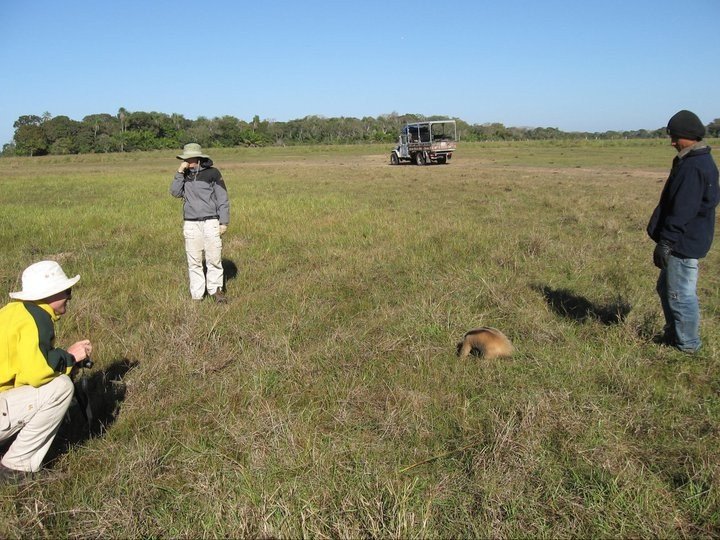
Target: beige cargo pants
x: 203, y: 236
x: 34, y: 414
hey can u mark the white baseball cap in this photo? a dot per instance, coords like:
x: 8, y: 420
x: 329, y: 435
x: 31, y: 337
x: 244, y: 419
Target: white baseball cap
x: 43, y: 279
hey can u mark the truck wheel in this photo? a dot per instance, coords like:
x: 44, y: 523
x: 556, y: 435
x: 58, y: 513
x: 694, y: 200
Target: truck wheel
x: 394, y: 159
x: 442, y: 160
x: 419, y: 159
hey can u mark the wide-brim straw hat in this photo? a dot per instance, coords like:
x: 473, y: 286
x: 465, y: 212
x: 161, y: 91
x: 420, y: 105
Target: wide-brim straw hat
x: 42, y: 280
x: 192, y: 150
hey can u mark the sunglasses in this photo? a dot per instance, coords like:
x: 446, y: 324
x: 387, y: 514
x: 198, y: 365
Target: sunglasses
x: 68, y: 294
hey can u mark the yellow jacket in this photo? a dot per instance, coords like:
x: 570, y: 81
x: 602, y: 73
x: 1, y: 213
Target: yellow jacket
x: 28, y: 355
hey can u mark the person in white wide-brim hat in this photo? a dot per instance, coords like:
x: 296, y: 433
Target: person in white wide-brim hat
x: 206, y: 214
x: 35, y: 390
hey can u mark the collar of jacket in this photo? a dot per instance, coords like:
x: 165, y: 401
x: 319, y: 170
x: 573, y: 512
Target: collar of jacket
x: 700, y: 145
x: 50, y: 311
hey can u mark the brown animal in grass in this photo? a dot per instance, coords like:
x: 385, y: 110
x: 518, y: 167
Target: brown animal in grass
x: 485, y: 341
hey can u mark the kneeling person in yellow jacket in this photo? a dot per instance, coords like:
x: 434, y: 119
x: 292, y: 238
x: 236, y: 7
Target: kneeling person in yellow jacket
x: 35, y: 390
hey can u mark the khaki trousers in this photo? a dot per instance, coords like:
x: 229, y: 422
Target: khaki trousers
x: 203, y: 236
x: 35, y: 415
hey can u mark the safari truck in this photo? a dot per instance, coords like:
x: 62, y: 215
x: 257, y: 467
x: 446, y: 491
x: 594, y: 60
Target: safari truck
x: 426, y: 142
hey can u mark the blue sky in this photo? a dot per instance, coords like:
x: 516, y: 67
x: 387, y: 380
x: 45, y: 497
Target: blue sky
x: 576, y: 65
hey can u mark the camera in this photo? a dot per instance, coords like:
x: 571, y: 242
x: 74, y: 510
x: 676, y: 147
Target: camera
x: 87, y: 363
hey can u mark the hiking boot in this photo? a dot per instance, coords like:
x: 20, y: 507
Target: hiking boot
x: 664, y: 339
x: 219, y: 296
x: 11, y: 476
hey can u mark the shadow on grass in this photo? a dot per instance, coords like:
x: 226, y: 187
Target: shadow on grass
x: 230, y: 270
x: 95, y: 406
x: 580, y: 309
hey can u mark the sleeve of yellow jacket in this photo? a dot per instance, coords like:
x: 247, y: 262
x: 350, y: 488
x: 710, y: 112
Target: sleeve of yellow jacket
x: 30, y: 355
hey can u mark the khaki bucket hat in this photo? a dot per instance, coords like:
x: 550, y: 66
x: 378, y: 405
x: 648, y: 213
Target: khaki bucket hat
x: 42, y: 280
x: 192, y: 150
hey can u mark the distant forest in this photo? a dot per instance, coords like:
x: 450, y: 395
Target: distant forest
x: 130, y: 131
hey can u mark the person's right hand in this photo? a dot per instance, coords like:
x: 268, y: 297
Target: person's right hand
x: 661, y: 254
x: 80, y: 350
x: 184, y: 165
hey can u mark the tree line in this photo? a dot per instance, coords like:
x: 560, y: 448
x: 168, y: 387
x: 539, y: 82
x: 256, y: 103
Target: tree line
x: 129, y: 131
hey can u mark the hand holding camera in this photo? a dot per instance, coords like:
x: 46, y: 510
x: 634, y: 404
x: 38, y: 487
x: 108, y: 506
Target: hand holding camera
x: 81, y: 351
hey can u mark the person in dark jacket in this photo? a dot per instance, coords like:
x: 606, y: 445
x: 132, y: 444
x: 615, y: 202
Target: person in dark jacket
x: 682, y: 226
x: 206, y: 213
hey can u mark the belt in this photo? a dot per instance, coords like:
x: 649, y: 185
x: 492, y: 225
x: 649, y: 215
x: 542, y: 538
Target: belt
x: 202, y: 218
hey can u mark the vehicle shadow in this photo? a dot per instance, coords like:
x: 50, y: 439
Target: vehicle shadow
x: 578, y: 308
x: 94, y: 408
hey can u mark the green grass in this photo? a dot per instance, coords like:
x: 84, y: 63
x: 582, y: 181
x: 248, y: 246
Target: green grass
x: 325, y: 399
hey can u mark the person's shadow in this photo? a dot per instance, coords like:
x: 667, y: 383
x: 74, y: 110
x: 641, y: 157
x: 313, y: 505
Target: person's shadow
x: 94, y: 408
x: 230, y: 271
x: 580, y: 309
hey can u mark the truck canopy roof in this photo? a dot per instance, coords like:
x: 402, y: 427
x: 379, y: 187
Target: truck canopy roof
x: 429, y: 122
x: 422, y: 130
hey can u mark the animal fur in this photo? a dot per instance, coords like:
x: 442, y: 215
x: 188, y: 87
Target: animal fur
x: 485, y: 341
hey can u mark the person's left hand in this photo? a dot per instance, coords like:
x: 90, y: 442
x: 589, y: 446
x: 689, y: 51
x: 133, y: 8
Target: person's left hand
x: 223, y: 228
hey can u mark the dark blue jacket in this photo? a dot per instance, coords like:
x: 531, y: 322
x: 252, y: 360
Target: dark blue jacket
x: 685, y: 215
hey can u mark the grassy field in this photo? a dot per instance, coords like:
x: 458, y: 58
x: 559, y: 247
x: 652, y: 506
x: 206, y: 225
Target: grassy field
x: 326, y: 400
